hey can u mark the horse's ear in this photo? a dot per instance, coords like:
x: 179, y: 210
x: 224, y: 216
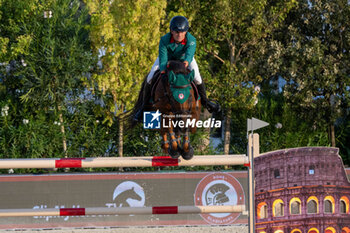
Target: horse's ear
x: 190, y: 76
x: 172, y: 77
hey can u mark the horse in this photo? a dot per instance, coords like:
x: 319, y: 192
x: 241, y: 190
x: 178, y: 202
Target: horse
x: 174, y: 97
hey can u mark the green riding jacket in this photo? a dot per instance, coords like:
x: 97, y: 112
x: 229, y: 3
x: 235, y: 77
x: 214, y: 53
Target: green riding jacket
x: 169, y: 50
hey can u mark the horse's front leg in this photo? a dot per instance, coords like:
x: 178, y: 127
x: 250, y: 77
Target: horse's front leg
x: 178, y: 138
x: 174, y: 153
x: 187, y: 149
x: 173, y: 140
x: 165, y: 143
x: 185, y: 142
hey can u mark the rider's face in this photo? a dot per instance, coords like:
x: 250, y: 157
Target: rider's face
x: 178, y: 36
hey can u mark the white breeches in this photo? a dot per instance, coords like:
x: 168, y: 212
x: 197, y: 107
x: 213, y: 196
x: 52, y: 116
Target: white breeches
x: 192, y: 66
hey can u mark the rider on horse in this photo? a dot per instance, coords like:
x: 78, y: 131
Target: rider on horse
x: 178, y: 44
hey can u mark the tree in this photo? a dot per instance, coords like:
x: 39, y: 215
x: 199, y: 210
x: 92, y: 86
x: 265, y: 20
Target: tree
x: 46, y: 78
x: 16, y: 126
x: 127, y: 40
x: 313, y: 52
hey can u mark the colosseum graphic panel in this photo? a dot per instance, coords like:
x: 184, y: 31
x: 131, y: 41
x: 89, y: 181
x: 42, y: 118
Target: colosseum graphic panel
x: 302, y: 190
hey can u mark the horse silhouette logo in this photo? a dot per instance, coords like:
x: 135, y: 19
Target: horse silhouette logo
x: 129, y: 194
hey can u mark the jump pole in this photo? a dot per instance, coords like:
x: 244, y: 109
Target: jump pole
x: 253, y: 150
x: 121, y: 211
x: 99, y: 162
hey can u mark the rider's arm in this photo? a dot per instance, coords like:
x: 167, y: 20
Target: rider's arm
x: 191, y: 48
x: 163, y: 56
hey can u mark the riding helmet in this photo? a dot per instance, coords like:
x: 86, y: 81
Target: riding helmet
x: 179, y: 24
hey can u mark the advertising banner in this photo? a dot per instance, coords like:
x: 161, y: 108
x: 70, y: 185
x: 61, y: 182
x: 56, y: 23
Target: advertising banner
x: 123, y: 190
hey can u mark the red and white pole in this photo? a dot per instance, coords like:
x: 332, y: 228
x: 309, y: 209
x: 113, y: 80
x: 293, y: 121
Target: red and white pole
x: 121, y: 211
x: 97, y: 162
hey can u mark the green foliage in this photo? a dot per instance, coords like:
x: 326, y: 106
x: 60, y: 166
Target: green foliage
x: 141, y: 142
x: 87, y: 135
x: 58, y: 58
x: 286, y: 130
x: 311, y: 52
x: 29, y: 138
x: 343, y: 139
x: 50, y: 112
x: 129, y: 40
x: 14, y: 15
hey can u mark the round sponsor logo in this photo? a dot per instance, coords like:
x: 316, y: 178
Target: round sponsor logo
x: 129, y: 194
x: 219, y: 189
x: 181, y: 96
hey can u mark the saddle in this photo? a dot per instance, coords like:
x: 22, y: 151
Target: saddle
x: 157, y: 78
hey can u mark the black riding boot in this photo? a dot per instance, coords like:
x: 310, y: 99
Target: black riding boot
x: 212, y: 107
x: 145, y: 99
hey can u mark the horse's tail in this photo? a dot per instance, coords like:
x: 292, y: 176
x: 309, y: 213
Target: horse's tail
x: 130, y: 116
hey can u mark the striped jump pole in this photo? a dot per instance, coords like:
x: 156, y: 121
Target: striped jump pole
x: 121, y: 211
x: 99, y: 162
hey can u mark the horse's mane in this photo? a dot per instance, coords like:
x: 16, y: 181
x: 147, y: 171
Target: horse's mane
x: 177, y: 67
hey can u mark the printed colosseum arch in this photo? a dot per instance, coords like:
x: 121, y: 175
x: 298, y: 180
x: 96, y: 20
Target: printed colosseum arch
x: 261, y: 210
x: 328, y: 204
x: 278, y: 208
x: 295, y: 206
x: 330, y: 230
x: 296, y: 231
x: 313, y: 230
x: 312, y: 205
x: 344, y: 205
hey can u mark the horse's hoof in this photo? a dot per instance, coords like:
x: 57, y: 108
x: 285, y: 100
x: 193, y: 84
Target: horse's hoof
x: 174, y: 153
x: 188, y: 155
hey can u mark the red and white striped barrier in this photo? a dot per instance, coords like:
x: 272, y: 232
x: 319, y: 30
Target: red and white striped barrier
x: 121, y: 211
x: 97, y: 162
